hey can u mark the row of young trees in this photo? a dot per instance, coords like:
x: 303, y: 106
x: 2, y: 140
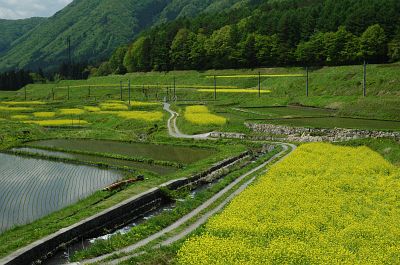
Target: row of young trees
x: 14, y: 80
x: 268, y: 33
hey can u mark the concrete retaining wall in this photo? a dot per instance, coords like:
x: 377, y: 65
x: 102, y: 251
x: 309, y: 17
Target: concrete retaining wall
x: 109, y: 219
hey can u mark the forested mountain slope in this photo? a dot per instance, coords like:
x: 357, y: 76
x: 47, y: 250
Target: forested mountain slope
x: 268, y: 33
x: 96, y: 28
x: 11, y: 30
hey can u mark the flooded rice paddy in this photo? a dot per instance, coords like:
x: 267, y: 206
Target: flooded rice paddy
x: 338, y: 122
x: 300, y: 116
x: 179, y: 154
x: 33, y: 188
x: 158, y: 169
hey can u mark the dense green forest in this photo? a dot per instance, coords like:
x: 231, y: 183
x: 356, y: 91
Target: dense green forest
x: 11, y: 30
x: 268, y: 33
x: 14, y: 80
x: 95, y: 27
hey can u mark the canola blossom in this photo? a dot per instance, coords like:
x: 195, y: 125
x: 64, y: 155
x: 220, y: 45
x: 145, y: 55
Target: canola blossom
x: 58, y: 122
x: 22, y: 103
x: 19, y: 117
x: 71, y: 111
x: 91, y: 109
x: 263, y: 91
x: 44, y: 114
x: 143, y: 104
x: 113, y: 106
x: 15, y: 109
x: 256, y: 76
x: 201, y: 115
x: 324, y: 204
x: 148, y: 116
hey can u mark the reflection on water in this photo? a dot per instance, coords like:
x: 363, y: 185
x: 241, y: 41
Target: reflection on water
x: 180, y: 154
x: 158, y: 169
x: 33, y: 188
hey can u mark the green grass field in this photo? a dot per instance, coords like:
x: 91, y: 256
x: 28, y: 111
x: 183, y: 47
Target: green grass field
x: 92, y: 109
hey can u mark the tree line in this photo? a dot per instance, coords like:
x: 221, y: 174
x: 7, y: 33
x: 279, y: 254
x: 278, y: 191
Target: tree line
x: 268, y: 34
x: 14, y: 80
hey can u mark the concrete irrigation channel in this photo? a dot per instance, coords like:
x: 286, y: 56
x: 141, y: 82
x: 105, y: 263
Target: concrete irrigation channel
x: 175, y: 132
x: 137, y: 206
x: 112, y: 218
x: 287, y: 148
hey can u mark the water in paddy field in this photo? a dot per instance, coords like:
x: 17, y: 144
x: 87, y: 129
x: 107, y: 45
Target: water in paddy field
x: 33, y: 188
x: 158, y: 169
x: 180, y: 154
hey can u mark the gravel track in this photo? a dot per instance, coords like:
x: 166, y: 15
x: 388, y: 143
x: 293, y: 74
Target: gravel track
x: 174, y: 132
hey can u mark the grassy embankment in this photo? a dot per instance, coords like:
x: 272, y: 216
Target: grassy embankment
x: 335, y: 88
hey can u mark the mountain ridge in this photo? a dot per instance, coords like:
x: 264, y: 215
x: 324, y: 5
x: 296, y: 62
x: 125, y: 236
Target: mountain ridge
x: 96, y: 28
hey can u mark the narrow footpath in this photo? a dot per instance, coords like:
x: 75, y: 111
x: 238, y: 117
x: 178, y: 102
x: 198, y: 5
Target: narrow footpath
x: 174, y: 132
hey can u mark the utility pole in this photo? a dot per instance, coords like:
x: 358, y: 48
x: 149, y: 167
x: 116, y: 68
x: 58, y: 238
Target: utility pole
x: 365, y: 80
x: 89, y: 91
x: 174, y: 88
x: 120, y: 87
x: 307, y: 82
x: 215, y: 87
x: 52, y: 92
x: 69, y: 56
x: 129, y: 89
x: 68, y: 93
x: 259, y: 84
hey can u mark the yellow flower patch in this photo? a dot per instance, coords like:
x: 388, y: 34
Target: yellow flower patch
x: 71, y: 111
x: 149, y: 116
x: 202, y: 116
x: 91, y: 109
x: 113, y: 106
x: 26, y: 103
x: 251, y: 91
x: 20, y: 117
x: 324, y: 204
x: 256, y: 75
x: 44, y: 114
x: 15, y: 109
x: 58, y: 122
x: 143, y: 104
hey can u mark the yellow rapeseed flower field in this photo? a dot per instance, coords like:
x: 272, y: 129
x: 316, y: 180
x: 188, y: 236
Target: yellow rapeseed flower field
x: 44, y: 114
x: 71, y: 111
x: 143, y: 104
x: 19, y: 117
x: 256, y: 75
x: 22, y: 103
x: 15, y: 109
x: 58, y: 122
x: 250, y: 91
x: 324, y: 204
x: 202, y: 116
x: 113, y: 106
x: 91, y: 109
x: 149, y: 116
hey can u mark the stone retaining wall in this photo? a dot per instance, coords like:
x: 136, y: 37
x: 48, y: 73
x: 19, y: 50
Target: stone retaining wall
x: 298, y: 134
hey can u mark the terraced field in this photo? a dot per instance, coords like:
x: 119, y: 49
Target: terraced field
x: 180, y: 154
x: 32, y: 188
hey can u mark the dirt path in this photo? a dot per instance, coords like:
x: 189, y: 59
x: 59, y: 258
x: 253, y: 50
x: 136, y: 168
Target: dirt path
x: 173, y: 128
x: 203, y: 219
x: 174, y: 132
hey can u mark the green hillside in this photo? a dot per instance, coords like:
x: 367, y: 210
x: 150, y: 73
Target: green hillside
x: 96, y: 28
x: 11, y: 30
x: 264, y: 33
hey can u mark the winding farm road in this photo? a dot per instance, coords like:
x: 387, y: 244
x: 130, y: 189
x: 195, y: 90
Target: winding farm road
x: 174, y: 132
x: 173, y: 128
